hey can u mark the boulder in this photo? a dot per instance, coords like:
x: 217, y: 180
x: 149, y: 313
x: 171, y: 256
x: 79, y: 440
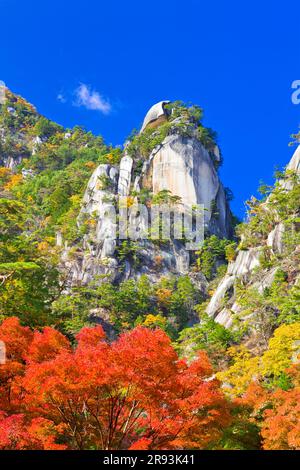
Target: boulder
x: 245, y: 262
x: 125, y: 175
x: 266, y: 280
x: 156, y: 113
x: 275, y: 237
x: 216, y: 302
x: 294, y: 164
x: 96, y: 191
x: 224, y: 318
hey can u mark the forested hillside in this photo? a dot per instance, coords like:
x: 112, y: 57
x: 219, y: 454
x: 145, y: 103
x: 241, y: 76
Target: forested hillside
x: 124, y: 344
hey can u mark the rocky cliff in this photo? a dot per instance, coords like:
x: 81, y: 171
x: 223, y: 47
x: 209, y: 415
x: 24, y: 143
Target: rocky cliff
x: 269, y: 249
x: 179, y: 165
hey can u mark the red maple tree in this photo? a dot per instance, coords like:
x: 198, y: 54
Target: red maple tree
x: 133, y: 393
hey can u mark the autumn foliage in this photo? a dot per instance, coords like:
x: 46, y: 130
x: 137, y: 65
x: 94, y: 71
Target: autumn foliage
x: 277, y: 412
x: 133, y: 393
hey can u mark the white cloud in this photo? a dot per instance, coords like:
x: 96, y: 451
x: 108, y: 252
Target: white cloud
x: 60, y: 97
x: 91, y: 99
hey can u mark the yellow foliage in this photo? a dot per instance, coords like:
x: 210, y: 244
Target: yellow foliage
x: 46, y: 221
x: 13, y: 181
x: 4, y: 172
x: 237, y: 378
x: 163, y: 295
x: 75, y: 199
x: 4, y: 175
x: 129, y: 201
x: 90, y: 222
x: 154, y: 320
x: 284, y: 347
x: 43, y: 246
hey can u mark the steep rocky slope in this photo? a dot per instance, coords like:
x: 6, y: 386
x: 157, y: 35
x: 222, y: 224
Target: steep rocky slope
x: 178, y: 165
x: 268, y: 254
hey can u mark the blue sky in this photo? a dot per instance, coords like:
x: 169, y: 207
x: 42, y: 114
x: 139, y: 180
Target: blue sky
x: 235, y: 59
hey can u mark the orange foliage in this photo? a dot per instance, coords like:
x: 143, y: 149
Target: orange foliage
x: 281, y: 427
x: 46, y: 345
x: 90, y: 165
x: 13, y: 181
x: 133, y: 393
x: 158, y: 259
x: 19, y: 433
x: 17, y: 340
x: 163, y: 296
x: 280, y: 409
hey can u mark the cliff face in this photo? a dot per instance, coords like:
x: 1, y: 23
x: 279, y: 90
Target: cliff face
x: 274, y: 250
x: 179, y: 165
x: 182, y: 165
